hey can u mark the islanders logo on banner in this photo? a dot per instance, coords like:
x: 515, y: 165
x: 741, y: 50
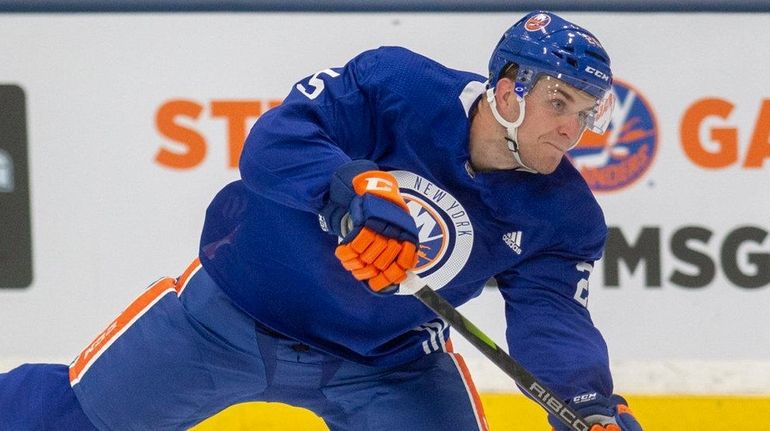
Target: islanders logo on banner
x: 625, y: 152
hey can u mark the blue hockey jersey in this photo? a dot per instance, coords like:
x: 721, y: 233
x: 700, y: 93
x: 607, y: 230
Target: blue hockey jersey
x: 537, y: 235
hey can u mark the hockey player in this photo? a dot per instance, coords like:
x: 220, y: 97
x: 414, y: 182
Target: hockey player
x: 389, y: 165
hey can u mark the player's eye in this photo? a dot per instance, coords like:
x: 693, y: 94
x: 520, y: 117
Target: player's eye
x: 558, y: 105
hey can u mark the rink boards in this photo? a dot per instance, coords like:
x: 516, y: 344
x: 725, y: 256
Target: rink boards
x: 515, y: 412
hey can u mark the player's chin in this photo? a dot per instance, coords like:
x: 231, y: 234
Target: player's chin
x: 547, y: 166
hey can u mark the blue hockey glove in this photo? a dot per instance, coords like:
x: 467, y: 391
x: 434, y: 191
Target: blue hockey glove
x: 602, y: 414
x: 379, y: 236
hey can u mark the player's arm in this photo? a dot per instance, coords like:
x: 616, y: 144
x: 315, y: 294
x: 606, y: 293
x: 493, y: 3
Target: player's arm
x: 314, y: 153
x: 549, y: 330
x: 325, y: 122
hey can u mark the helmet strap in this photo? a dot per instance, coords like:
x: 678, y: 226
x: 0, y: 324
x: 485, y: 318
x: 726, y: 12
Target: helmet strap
x: 512, y: 129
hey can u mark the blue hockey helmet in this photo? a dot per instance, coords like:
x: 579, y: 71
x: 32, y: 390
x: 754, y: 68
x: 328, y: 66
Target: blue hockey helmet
x: 542, y: 43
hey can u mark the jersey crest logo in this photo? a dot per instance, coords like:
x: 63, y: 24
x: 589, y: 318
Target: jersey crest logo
x: 445, y: 229
x: 621, y: 156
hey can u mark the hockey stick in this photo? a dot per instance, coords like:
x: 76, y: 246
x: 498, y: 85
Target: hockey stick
x: 539, y: 392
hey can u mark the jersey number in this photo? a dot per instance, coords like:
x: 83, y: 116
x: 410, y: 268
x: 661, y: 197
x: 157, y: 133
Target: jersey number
x: 316, y: 83
x: 581, y: 294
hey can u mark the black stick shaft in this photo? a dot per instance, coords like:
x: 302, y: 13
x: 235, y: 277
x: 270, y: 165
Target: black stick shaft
x: 526, y: 381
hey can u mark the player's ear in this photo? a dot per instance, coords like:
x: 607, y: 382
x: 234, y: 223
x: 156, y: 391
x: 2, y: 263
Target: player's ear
x: 506, y: 98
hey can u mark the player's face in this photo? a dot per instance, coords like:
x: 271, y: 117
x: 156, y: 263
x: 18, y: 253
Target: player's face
x: 555, y: 120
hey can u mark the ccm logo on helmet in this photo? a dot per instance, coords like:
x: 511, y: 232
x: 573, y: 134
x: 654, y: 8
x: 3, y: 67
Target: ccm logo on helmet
x: 597, y: 73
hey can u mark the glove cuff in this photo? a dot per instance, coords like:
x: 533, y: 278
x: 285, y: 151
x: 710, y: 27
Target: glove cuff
x: 341, y: 194
x: 381, y: 184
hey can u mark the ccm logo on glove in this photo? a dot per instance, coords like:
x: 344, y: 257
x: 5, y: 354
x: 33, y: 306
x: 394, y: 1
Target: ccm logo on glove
x: 602, y: 413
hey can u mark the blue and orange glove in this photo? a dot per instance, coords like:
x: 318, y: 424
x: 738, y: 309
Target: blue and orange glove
x: 379, y: 237
x: 601, y: 413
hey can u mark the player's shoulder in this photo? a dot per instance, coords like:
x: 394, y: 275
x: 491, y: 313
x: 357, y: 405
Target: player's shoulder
x: 403, y: 69
x: 579, y: 214
x: 392, y: 52
x: 386, y: 57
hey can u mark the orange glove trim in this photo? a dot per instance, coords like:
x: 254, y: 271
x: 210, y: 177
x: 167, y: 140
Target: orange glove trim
x: 379, y: 260
x: 353, y: 264
x: 381, y: 184
x: 365, y: 273
x: 407, y: 259
x: 377, y: 246
x: 622, y: 408
x: 395, y: 273
x: 379, y: 282
x: 345, y: 253
x: 362, y: 240
x: 388, y: 255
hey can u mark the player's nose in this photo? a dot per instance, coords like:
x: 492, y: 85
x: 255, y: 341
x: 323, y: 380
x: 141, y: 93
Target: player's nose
x: 570, y: 127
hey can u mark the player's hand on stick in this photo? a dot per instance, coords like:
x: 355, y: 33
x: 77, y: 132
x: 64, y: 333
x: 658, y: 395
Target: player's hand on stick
x: 602, y: 414
x: 379, y: 237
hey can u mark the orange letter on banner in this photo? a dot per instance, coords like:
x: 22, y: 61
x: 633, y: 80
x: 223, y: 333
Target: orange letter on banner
x: 759, y: 149
x: 273, y: 103
x: 165, y: 121
x: 236, y: 113
x: 727, y: 137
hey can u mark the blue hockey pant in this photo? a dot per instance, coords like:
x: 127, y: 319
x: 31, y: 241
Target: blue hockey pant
x: 182, y: 352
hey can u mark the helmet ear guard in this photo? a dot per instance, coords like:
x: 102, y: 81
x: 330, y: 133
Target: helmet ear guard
x: 511, y: 128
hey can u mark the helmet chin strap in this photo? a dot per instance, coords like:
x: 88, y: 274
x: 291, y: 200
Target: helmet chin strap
x: 512, y: 129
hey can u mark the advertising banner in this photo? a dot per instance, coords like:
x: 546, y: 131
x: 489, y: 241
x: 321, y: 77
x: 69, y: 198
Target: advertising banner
x: 16, y: 242
x: 134, y: 121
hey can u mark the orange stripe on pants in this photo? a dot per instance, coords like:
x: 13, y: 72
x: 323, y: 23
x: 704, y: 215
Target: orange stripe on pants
x: 138, y: 307
x: 476, y: 400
